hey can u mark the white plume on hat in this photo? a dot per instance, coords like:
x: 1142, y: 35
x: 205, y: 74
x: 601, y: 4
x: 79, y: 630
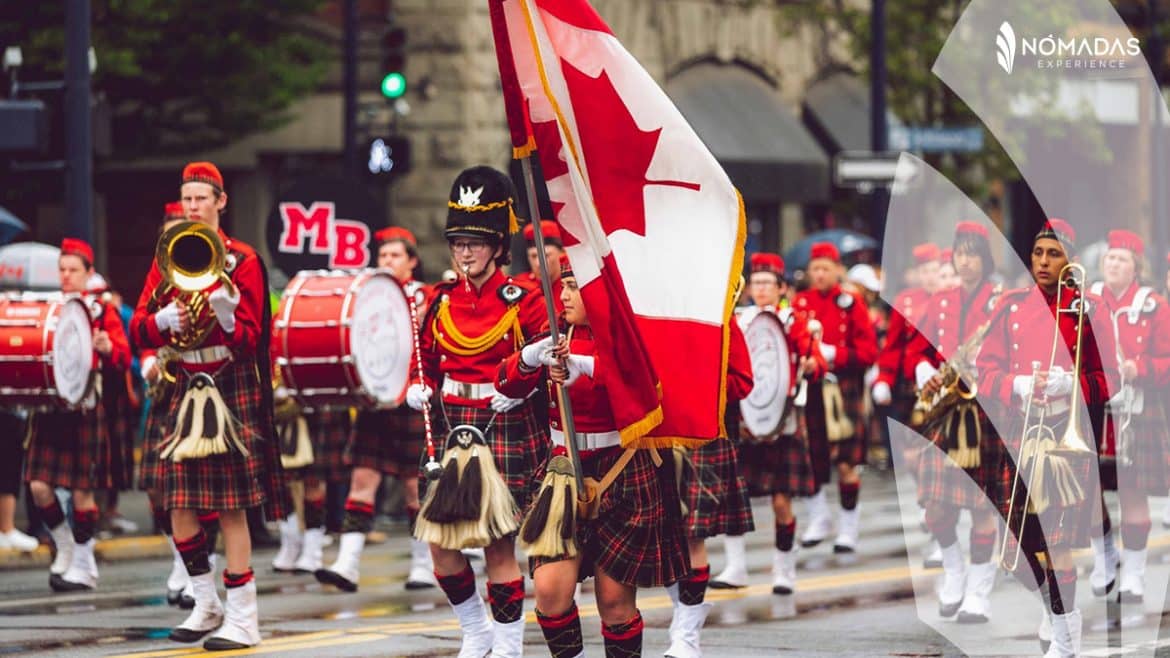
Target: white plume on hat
x: 865, y: 276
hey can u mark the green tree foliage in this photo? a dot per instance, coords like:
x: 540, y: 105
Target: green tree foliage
x: 181, y: 75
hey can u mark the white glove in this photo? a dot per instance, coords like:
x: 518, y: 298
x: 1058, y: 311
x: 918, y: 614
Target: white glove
x: 871, y: 375
x: 417, y: 396
x: 224, y: 306
x: 1060, y: 382
x: 167, y: 318
x: 537, y: 354
x: 1022, y: 386
x: 882, y: 394
x: 923, y: 373
x: 146, y: 365
x: 501, y: 403
x: 578, y: 365
x: 829, y: 352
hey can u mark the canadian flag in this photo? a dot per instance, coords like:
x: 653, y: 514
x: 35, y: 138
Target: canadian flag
x: 650, y: 221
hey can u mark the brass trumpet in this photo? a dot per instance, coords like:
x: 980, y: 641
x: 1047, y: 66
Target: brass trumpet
x: 1047, y: 459
x: 192, y: 258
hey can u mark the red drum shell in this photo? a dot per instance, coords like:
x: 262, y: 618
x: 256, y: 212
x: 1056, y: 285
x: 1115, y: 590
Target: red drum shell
x: 46, y: 352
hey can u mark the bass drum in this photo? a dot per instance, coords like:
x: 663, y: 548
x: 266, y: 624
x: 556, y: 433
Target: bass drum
x: 344, y: 338
x: 763, y: 409
x: 46, y: 351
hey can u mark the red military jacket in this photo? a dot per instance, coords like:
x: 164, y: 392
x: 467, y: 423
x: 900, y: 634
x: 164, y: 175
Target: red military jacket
x: 557, y: 287
x: 739, y: 366
x: 468, y: 332
x: 247, y: 277
x: 1143, y: 336
x: 1022, y: 332
x: 587, y: 395
x: 105, y: 316
x: 949, y: 318
x: 846, y: 326
x: 911, y: 303
x: 895, y: 359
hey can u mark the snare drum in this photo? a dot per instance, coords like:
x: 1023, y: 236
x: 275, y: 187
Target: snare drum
x: 344, y: 338
x: 46, y: 351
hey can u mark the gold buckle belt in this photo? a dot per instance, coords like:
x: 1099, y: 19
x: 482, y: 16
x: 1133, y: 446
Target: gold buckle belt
x: 467, y: 390
x: 588, y: 440
x: 213, y: 354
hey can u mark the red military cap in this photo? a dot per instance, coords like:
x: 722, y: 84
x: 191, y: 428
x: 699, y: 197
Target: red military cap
x: 548, y: 229
x: 174, y: 211
x: 824, y: 250
x: 395, y: 233
x: 971, y: 228
x: 765, y: 262
x: 1059, y: 230
x: 1122, y: 239
x: 75, y: 247
x: 946, y: 256
x: 203, y: 172
x: 925, y: 253
x: 566, y: 267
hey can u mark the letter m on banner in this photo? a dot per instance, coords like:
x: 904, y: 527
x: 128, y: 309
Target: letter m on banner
x: 344, y: 241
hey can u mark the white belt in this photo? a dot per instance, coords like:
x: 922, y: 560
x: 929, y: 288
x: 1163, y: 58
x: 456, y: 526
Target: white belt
x: 212, y: 354
x: 466, y: 391
x: 588, y: 440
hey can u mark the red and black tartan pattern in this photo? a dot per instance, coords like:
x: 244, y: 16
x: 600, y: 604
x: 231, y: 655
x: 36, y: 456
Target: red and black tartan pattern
x: 518, y: 443
x: 388, y: 441
x: 941, y: 482
x: 152, y: 438
x: 1150, y: 471
x: 120, y: 424
x: 714, y: 492
x: 824, y: 454
x: 780, y: 467
x: 1067, y: 527
x: 69, y: 449
x: 638, y: 537
x: 229, y: 481
x: 329, y: 429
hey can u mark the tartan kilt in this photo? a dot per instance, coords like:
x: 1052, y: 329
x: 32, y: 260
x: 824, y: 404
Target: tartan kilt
x: 1150, y: 471
x: 70, y: 449
x: 229, y: 481
x: 941, y: 482
x: 782, y: 466
x: 390, y: 441
x: 120, y: 430
x: 713, y: 492
x: 519, y: 444
x: 824, y: 454
x: 1066, y: 527
x: 152, y: 438
x: 638, y: 538
x: 329, y: 429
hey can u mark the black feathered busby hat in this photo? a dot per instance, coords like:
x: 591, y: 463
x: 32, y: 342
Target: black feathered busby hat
x: 480, y: 205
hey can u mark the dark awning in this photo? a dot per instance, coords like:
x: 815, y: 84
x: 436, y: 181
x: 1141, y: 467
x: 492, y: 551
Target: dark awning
x: 769, y: 156
x: 836, y: 111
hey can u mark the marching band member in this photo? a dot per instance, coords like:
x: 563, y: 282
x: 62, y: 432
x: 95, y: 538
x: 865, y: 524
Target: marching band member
x: 636, y: 539
x: 471, y: 326
x: 849, y: 345
x: 782, y: 469
x: 1006, y: 374
x: 553, y: 250
x: 963, y: 454
x: 237, y: 467
x: 895, y: 382
x: 386, y: 442
x: 1141, y: 319
x: 948, y: 276
x: 70, y: 449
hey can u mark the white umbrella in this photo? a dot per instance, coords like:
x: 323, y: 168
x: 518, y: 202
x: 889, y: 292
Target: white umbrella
x: 29, y: 266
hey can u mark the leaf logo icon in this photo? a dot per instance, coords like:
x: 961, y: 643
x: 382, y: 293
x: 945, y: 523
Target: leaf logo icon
x: 1005, y: 47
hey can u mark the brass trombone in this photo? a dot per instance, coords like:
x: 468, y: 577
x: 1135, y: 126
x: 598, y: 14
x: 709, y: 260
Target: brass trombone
x: 1040, y: 451
x: 191, y: 258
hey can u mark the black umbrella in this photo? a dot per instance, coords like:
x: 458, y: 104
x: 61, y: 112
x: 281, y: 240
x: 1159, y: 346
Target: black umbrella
x: 10, y: 226
x: 846, y: 241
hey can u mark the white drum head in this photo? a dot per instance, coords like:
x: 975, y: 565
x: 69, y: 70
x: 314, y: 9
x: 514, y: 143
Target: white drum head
x: 381, y: 339
x: 763, y: 408
x: 72, y: 352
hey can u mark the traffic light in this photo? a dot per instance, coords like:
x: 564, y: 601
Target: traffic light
x: 394, y: 63
x: 388, y: 157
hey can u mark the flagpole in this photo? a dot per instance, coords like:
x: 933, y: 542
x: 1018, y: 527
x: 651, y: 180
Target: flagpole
x: 564, y: 405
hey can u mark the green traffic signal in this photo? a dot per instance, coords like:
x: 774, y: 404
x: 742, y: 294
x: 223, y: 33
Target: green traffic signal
x: 393, y: 85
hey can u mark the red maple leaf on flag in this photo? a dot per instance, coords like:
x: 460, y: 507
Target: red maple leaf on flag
x: 617, y: 153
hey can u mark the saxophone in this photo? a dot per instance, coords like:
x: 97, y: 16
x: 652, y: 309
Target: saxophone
x: 958, y: 382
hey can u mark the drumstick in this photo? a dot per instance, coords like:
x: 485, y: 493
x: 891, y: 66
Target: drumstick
x: 431, y: 469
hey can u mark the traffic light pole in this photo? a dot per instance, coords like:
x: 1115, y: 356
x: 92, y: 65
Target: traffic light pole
x: 349, y: 137
x: 78, y: 124
x: 879, y: 128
